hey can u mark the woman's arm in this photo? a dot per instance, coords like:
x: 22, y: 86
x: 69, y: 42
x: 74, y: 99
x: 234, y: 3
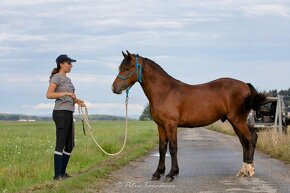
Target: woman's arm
x: 51, y: 94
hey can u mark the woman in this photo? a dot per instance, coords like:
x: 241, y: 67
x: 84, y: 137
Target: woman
x: 62, y: 89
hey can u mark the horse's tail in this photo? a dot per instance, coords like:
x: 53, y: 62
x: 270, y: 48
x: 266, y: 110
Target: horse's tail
x: 254, y: 100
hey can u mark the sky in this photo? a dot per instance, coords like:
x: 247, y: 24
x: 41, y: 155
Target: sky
x: 194, y: 41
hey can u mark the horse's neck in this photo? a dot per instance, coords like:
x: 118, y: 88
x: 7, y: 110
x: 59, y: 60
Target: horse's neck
x: 156, y: 84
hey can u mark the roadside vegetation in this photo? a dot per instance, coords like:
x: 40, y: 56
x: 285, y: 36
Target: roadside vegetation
x: 26, y: 154
x: 270, y: 142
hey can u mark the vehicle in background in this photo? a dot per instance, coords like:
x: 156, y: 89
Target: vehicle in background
x: 287, y: 109
x: 286, y: 100
x: 265, y: 116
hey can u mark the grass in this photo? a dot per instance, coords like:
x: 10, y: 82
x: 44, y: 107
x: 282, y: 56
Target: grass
x: 26, y: 154
x: 275, y: 144
x: 270, y: 142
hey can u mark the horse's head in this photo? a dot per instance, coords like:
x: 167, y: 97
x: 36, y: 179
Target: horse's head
x: 130, y: 72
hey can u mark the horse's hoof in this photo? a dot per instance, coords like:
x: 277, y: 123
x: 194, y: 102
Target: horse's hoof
x: 247, y: 170
x: 251, y: 173
x: 241, y: 174
x: 251, y: 170
x: 243, y: 171
x: 168, y: 179
x: 155, y: 178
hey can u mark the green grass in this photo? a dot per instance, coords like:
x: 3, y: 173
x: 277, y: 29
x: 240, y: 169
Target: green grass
x: 270, y: 142
x: 26, y: 154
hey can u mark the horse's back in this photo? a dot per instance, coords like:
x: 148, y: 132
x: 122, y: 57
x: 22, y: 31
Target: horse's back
x: 228, y: 83
x: 219, y: 88
x: 208, y: 102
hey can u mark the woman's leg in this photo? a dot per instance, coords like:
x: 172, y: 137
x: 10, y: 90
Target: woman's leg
x: 69, y: 145
x: 60, y: 118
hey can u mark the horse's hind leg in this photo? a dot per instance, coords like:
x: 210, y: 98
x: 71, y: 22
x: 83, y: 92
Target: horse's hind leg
x: 162, y: 152
x: 248, y: 139
x: 251, y: 167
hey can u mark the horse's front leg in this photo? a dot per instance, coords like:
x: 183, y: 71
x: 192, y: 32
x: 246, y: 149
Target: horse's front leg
x: 172, y: 137
x: 162, y: 152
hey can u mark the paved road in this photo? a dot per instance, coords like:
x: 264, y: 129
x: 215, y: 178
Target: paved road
x: 208, y: 162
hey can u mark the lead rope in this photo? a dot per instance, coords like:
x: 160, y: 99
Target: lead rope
x: 83, y: 112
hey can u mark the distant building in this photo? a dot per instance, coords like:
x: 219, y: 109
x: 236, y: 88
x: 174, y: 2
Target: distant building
x: 26, y: 120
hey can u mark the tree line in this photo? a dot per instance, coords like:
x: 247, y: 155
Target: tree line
x: 274, y: 93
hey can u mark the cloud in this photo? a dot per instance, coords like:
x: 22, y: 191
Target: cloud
x: 80, y: 78
x: 21, y: 37
x: 27, y: 78
x: 205, y: 17
x: 40, y: 106
x: 77, y: 78
x: 267, y: 10
x: 210, y: 10
x: 96, y: 108
x: 27, y: 2
x: 114, y: 106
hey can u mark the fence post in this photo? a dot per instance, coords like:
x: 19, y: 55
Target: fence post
x: 278, y: 115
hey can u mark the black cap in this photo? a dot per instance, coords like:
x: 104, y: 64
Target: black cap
x: 64, y: 58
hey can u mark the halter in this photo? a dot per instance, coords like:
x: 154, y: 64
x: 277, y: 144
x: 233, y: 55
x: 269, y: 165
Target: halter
x: 139, y: 75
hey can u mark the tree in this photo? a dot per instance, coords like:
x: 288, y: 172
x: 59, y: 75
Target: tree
x: 272, y: 93
x: 146, y: 115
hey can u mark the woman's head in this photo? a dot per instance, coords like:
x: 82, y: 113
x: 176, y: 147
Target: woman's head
x: 64, y: 64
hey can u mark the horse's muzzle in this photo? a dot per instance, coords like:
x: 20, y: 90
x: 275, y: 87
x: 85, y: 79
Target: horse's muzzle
x: 116, y: 90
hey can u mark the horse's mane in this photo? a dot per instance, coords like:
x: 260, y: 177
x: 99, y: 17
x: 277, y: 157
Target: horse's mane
x: 156, y: 66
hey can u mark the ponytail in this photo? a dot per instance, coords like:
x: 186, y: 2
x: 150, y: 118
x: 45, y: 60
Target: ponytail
x: 54, y: 71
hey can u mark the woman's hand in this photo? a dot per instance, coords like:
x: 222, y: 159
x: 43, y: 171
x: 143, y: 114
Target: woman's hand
x: 72, y: 95
x: 80, y: 102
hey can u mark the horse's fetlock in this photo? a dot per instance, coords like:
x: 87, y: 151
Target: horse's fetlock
x: 177, y: 171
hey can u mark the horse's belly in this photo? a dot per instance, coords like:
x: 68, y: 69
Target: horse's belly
x: 198, y: 119
x: 196, y: 123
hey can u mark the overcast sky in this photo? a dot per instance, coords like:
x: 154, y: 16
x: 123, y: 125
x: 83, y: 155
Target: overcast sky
x: 194, y: 41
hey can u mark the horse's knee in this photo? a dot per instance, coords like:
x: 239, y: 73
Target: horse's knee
x: 162, y: 148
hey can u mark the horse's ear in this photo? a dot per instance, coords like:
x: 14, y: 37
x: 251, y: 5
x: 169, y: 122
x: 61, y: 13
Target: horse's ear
x: 124, y: 54
x: 129, y: 55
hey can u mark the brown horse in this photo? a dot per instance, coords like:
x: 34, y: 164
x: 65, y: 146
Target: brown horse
x: 176, y: 104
